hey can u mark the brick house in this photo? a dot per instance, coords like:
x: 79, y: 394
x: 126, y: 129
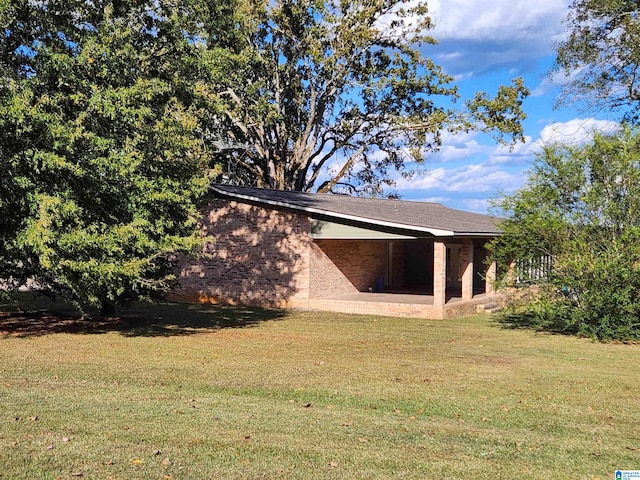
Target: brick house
x: 340, y: 253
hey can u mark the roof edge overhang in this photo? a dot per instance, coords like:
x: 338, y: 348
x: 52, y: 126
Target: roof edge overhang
x: 436, y: 232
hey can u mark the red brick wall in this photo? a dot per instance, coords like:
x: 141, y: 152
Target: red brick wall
x: 257, y: 256
x: 358, y: 262
x: 326, y: 278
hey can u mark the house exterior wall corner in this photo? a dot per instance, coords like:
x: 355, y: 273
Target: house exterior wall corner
x: 257, y: 257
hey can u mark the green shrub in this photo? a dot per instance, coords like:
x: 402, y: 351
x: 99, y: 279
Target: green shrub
x: 581, y: 206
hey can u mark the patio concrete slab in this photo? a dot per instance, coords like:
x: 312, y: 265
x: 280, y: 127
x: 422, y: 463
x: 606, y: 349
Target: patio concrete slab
x: 394, y: 304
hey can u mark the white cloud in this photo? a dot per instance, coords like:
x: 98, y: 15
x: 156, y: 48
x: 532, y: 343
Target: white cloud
x: 433, y: 179
x: 479, y: 205
x: 474, y: 178
x: 460, y: 146
x: 462, y: 182
x: 545, y: 86
x: 437, y: 199
x: 555, y: 79
x: 518, y: 154
x: 472, y: 146
x: 501, y: 169
x: 478, y: 36
x: 498, y: 19
x: 575, y: 132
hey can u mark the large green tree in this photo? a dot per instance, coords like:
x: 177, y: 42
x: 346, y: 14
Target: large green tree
x: 102, y: 158
x: 600, y: 59
x: 581, y: 206
x: 346, y: 84
x: 114, y: 113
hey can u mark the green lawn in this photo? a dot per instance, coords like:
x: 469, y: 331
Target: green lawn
x: 194, y: 392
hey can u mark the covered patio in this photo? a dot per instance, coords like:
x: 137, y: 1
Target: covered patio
x: 344, y: 254
x: 405, y: 275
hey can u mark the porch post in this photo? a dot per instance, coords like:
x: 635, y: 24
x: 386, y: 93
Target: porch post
x: 490, y: 283
x: 467, y: 269
x: 439, y: 273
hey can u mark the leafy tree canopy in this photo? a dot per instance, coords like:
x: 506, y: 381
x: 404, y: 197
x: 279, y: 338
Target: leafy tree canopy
x: 322, y: 82
x: 581, y: 206
x: 115, y: 113
x: 101, y: 156
x: 601, y: 57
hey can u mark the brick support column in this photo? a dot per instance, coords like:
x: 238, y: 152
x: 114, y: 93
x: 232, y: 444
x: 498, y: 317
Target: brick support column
x: 490, y: 288
x: 466, y: 266
x: 439, y: 273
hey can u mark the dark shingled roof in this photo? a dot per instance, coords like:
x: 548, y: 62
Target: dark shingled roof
x: 373, y: 213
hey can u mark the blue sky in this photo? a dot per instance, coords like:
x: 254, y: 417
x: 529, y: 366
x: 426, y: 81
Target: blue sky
x: 484, y: 45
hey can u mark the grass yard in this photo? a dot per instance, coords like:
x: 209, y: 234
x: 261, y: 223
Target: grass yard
x: 196, y: 392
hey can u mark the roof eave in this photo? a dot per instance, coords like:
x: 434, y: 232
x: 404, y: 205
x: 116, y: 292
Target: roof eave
x: 436, y: 232
x: 477, y: 234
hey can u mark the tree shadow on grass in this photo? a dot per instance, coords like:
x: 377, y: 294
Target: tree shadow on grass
x: 518, y: 320
x: 33, y: 317
x: 526, y: 320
